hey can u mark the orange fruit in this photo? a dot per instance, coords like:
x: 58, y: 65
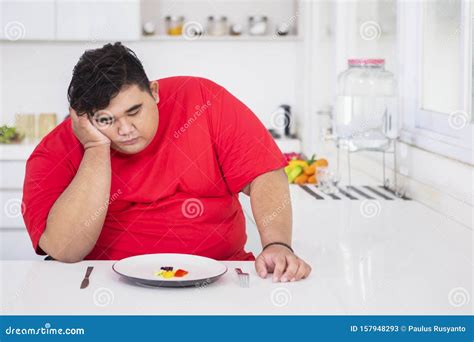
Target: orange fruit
x: 321, y: 163
x: 301, y: 179
x: 310, y: 170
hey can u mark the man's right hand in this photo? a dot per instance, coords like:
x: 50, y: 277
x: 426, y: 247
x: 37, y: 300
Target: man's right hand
x: 88, y: 135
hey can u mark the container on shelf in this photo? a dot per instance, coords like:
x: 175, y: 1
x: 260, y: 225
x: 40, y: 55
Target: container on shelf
x: 236, y: 30
x: 25, y: 124
x: 258, y: 25
x: 148, y: 28
x: 174, y: 25
x: 366, y: 115
x: 217, y: 26
x: 46, y: 123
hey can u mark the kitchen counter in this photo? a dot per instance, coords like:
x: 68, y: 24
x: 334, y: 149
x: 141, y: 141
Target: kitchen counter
x: 368, y: 257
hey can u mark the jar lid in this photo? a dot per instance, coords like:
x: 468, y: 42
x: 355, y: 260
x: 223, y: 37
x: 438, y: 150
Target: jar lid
x: 174, y: 17
x: 366, y: 61
x: 217, y: 17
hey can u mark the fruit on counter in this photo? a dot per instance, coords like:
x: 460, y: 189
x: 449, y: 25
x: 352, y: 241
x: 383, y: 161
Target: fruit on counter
x: 310, y: 170
x: 303, y: 171
x: 292, y: 172
x: 321, y: 163
x: 298, y: 162
x: 301, y: 179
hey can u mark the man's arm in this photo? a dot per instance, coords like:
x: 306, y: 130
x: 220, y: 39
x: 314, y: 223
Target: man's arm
x: 75, y: 221
x: 271, y: 208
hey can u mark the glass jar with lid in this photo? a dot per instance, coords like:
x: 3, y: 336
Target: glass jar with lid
x: 217, y: 25
x: 174, y: 25
x: 366, y: 115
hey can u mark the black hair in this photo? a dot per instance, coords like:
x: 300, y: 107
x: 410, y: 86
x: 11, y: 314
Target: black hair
x: 101, y: 74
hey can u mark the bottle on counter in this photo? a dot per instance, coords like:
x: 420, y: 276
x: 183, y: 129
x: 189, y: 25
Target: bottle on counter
x: 366, y: 113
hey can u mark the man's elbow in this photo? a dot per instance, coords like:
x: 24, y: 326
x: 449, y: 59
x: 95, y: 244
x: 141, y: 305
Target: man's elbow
x: 58, y: 252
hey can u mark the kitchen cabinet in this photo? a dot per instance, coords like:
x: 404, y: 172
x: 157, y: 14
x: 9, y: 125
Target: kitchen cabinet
x: 70, y: 20
x: 98, y: 20
x: 15, y: 243
x: 29, y: 20
x: 106, y: 20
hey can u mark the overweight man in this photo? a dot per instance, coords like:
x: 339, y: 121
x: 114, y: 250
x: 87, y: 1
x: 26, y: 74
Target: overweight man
x: 156, y: 167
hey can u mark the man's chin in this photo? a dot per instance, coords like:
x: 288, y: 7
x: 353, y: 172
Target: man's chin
x: 129, y: 149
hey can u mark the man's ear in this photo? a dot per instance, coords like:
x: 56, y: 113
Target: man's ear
x: 154, y: 90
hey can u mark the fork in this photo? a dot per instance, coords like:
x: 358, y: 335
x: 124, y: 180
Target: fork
x: 243, y: 278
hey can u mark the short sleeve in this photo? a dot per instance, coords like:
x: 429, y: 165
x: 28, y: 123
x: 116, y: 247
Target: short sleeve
x: 244, y: 147
x: 46, y: 178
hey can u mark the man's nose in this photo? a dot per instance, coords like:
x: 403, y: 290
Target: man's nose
x: 125, y: 127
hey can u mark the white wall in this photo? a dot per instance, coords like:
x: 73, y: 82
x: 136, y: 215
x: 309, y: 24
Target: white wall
x: 35, y: 75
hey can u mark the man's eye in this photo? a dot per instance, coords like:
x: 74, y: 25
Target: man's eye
x: 132, y: 114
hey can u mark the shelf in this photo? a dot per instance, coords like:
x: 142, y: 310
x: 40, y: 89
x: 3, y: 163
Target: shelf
x: 166, y: 38
x: 245, y: 38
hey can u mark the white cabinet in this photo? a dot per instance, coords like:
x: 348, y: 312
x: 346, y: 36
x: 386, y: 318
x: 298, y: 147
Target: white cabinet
x: 70, y: 20
x: 31, y: 20
x: 15, y: 243
x: 12, y: 208
x: 98, y: 20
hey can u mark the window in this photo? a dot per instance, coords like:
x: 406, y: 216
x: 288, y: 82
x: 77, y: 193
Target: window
x: 435, y: 45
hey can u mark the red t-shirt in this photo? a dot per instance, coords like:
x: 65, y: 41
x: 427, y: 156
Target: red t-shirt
x: 178, y: 195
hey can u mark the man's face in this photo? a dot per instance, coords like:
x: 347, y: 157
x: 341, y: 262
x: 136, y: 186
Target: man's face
x: 131, y: 119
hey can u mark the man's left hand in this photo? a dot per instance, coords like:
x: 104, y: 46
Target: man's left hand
x: 283, y: 263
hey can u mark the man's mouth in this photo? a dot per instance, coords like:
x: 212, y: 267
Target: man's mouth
x: 129, y: 142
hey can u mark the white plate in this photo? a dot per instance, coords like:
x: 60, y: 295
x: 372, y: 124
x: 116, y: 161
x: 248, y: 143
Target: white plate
x: 141, y: 269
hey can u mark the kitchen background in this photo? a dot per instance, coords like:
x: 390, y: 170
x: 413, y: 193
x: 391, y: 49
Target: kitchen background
x: 293, y: 55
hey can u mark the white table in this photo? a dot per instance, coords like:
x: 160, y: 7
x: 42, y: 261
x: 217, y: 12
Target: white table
x: 407, y: 259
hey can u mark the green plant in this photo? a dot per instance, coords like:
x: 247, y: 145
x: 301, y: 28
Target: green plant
x: 9, y: 135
